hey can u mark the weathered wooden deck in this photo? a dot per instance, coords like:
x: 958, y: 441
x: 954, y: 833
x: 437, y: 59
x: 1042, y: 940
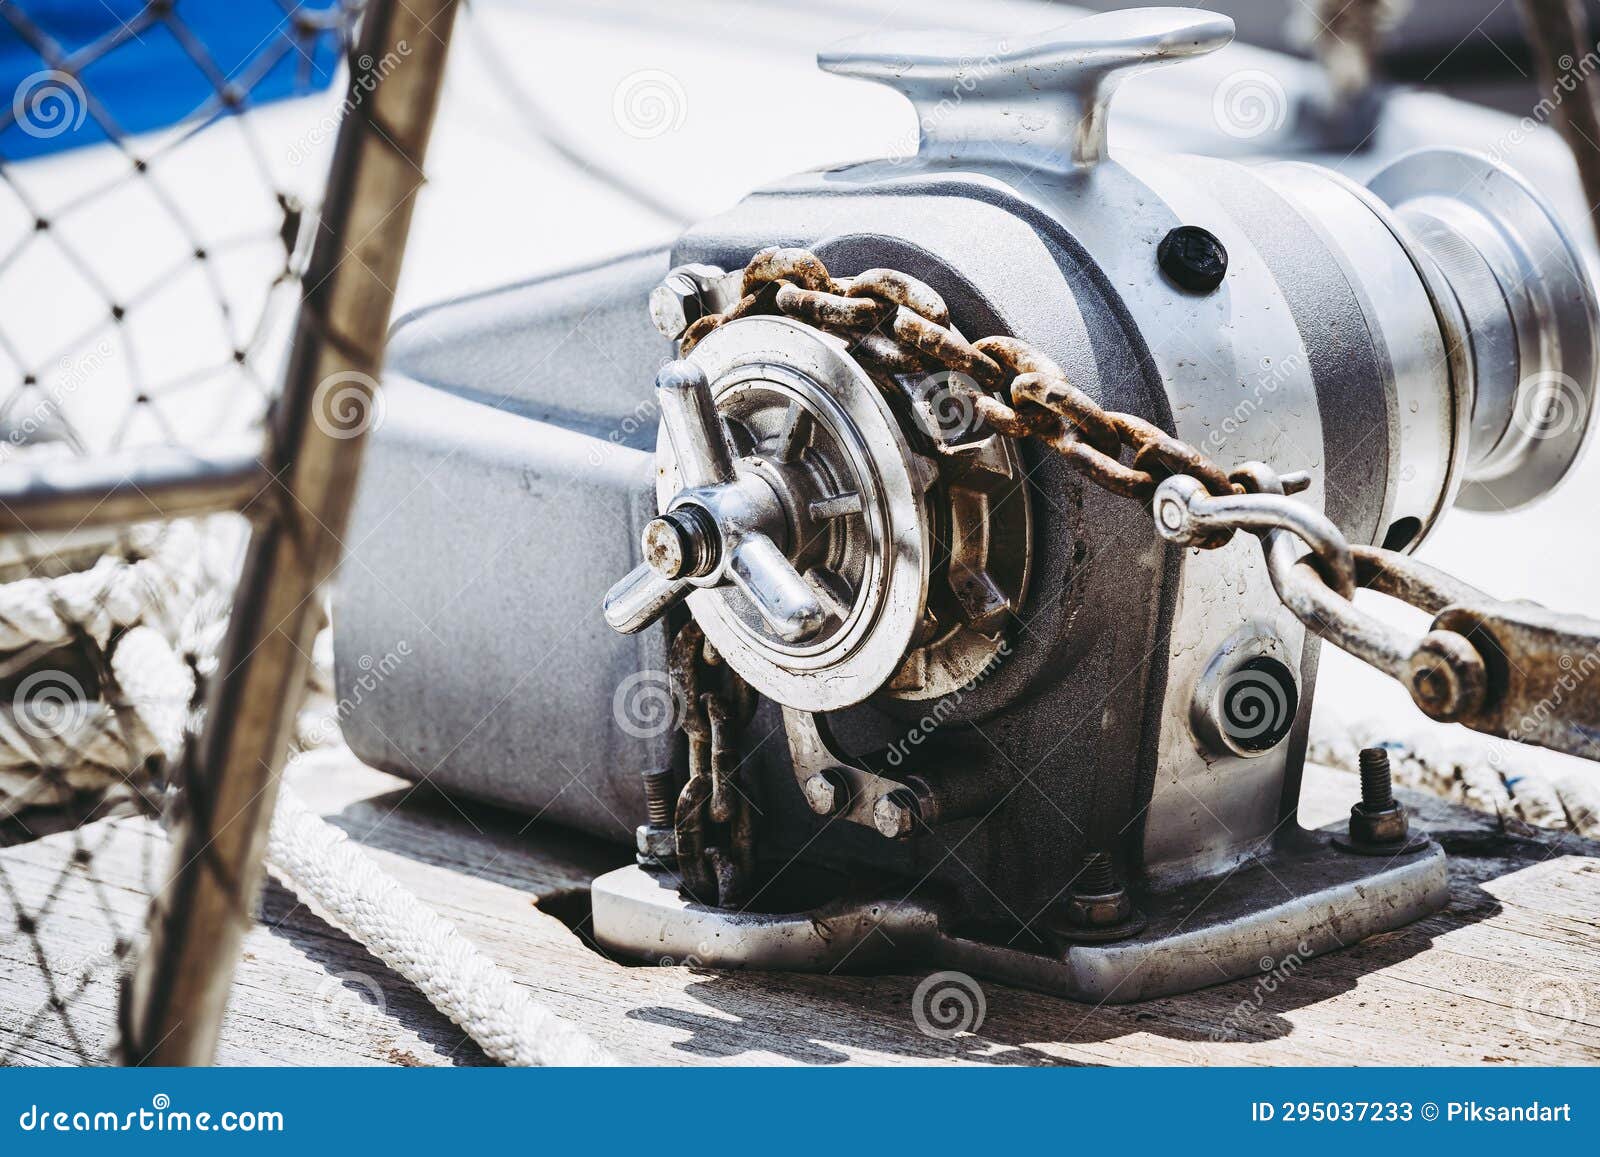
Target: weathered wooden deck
x: 1509, y: 973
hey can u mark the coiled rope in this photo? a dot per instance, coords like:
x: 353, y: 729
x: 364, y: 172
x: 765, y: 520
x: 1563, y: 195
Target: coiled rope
x: 51, y: 747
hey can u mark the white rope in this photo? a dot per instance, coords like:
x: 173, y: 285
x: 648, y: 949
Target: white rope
x: 343, y: 885
x: 61, y: 738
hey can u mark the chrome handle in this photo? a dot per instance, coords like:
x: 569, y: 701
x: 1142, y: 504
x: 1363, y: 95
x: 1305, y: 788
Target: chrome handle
x: 1041, y: 100
x: 689, y: 413
x: 720, y: 529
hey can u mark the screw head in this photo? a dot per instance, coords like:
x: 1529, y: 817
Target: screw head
x: 1192, y: 258
x: 892, y: 817
x: 822, y: 794
x: 674, y: 306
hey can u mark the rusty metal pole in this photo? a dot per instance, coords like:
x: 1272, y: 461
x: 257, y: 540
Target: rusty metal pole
x: 175, y: 999
x: 1558, y: 30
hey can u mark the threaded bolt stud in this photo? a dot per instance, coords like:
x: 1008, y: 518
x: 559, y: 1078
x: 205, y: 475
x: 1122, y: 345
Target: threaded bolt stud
x: 1377, y: 784
x: 659, y: 801
x: 1099, y: 876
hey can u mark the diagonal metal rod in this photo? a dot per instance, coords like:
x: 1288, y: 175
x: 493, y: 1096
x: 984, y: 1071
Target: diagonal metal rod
x: 139, y: 486
x: 174, y: 1003
x: 1558, y: 30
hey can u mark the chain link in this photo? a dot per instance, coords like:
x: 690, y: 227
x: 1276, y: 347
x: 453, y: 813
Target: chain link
x: 1509, y: 669
x: 712, y: 822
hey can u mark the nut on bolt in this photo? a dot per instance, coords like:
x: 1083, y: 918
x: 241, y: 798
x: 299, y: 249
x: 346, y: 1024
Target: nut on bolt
x: 1379, y: 824
x: 684, y: 296
x: 655, y: 839
x: 1099, y: 907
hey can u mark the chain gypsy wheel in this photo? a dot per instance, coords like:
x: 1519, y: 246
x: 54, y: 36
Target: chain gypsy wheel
x: 848, y: 525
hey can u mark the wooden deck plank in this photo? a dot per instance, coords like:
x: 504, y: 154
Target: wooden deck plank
x: 1508, y: 973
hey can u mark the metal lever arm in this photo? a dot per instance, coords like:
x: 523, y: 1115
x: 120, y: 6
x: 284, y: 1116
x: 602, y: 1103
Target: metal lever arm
x: 1041, y: 100
x: 720, y: 530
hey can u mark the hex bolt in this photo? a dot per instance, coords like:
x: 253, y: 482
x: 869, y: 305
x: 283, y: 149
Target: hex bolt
x: 1378, y: 821
x: 1098, y: 900
x: 894, y: 815
x: 656, y: 838
x: 826, y: 792
x: 675, y: 305
x: 1192, y: 258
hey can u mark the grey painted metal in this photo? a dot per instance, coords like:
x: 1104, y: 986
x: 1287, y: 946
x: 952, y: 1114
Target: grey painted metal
x: 179, y: 989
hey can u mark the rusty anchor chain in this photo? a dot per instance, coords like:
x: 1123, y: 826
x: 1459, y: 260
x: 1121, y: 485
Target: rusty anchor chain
x: 1510, y: 669
x: 712, y: 823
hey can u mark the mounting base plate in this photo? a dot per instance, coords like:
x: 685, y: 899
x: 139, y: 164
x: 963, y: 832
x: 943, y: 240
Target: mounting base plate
x: 1296, y: 901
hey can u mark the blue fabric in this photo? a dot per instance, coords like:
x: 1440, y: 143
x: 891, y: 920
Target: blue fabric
x: 146, y: 80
